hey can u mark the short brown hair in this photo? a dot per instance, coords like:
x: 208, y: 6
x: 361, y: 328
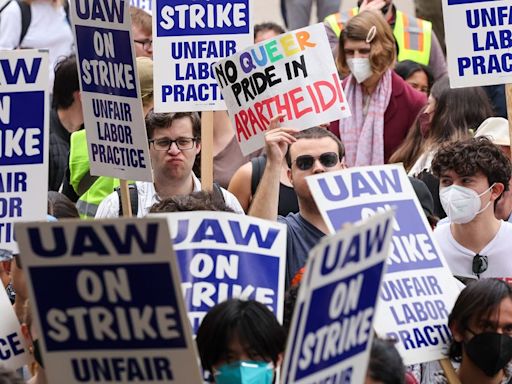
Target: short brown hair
x: 468, y: 157
x: 382, y: 47
x: 141, y: 19
x: 164, y: 120
x: 196, y: 201
x: 316, y: 133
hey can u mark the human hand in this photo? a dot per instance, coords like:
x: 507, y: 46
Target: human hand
x: 277, y: 140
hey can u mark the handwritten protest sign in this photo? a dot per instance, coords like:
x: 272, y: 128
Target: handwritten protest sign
x: 223, y: 255
x: 111, y: 102
x: 190, y: 36
x: 418, y: 291
x: 120, y: 315
x: 478, y: 41
x: 24, y: 137
x: 13, y: 351
x: 331, y: 331
x: 292, y: 74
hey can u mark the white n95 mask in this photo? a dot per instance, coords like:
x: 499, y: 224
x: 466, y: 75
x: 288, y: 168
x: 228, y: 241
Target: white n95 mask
x: 360, y: 68
x: 461, y: 204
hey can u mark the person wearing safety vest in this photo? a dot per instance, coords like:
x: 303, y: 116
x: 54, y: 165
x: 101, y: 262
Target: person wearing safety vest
x: 415, y: 38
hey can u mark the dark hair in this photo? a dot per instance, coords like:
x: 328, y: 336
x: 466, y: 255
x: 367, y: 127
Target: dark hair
x: 289, y: 305
x: 269, y: 26
x: 9, y: 377
x: 457, y: 111
x: 407, y: 68
x: 196, y: 201
x: 468, y: 157
x: 480, y: 298
x: 65, y: 83
x: 61, y: 206
x: 164, y: 120
x: 316, y: 133
x: 385, y: 363
x: 252, y: 322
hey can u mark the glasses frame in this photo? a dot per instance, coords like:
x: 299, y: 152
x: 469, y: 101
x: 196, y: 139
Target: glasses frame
x: 194, y: 141
x: 146, y: 44
x: 322, y: 156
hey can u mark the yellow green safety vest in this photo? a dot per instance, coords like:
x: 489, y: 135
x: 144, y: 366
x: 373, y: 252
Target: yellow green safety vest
x: 413, y: 35
x: 89, y: 201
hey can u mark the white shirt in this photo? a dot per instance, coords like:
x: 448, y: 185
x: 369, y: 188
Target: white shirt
x: 49, y: 28
x: 460, y: 259
x: 147, y: 196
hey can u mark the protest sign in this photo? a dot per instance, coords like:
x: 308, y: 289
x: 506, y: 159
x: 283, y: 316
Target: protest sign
x: 24, y: 138
x: 13, y: 349
x: 142, y: 4
x: 418, y: 291
x: 189, y: 37
x: 478, y: 41
x: 111, y: 102
x: 107, y: 301
x: 292, y: 74
x: 223, y: 255
x: 331, y: 331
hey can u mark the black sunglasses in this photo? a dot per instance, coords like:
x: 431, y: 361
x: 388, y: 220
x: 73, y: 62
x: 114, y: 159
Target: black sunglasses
x: 480, y: 264
x: 327, y: 159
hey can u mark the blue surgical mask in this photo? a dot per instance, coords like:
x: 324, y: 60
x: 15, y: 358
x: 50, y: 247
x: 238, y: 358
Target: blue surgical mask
x: 245, y: 372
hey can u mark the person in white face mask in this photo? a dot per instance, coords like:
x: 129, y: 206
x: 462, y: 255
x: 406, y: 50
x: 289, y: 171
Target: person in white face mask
x: 383, y: 105
x: 473, y: 174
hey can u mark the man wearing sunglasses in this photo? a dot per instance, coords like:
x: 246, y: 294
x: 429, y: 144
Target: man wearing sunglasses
x: 309, y: 152
x: 174, y: 142
x: 472, y: 176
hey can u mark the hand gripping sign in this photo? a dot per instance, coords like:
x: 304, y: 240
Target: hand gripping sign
x: 418, y: 291
x: 331, y: 332
x: 224, y: 255
x: 107, y: 300
x: 189, y: 37
x: 292, y: 74
x: 111, y: 100
x: 24, y: 137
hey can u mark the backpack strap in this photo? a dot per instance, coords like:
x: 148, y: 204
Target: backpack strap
x: 26, y: 18
x: 134, y: 199
x: 218, y: 191
x: 258, y: 167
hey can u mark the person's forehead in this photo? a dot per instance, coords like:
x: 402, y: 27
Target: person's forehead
x: 139, y: 33
x: 265, y: 34
x: 181, y: 127
x: 356, y: 44
x: 313, y: 147
x: 502, y: 315
x: 454, y: 175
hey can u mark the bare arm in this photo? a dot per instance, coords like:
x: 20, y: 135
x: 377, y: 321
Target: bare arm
x: 240, y: 185
x: 265, y: 201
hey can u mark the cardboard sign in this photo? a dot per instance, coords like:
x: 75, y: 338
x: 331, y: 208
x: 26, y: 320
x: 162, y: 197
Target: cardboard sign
x: 418, y: 291
x: 13, y: 349
x: 331, y: 332
x: 120, y: 315
x: 478, y: 41
x: 224, y: 255
x: 292, y: 74
x: 189, y: 37
x: 24, y: 138
x: 111, y: 102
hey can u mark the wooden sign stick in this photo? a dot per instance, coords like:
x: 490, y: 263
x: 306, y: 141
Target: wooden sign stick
x: 207, y: 150
x: 449, y: 372
x: 125, y: 199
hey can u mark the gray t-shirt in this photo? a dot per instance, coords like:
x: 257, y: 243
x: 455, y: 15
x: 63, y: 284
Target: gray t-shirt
x: 301, y: 237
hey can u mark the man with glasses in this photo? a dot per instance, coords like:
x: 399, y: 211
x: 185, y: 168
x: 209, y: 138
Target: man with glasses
x: 472, y: 177
x: 141, y: 32
x: 309, y: 152
x: 174, y: 142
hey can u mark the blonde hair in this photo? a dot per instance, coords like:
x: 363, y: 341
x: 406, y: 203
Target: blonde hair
x: 141, y: 19
x: 382, y: 46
